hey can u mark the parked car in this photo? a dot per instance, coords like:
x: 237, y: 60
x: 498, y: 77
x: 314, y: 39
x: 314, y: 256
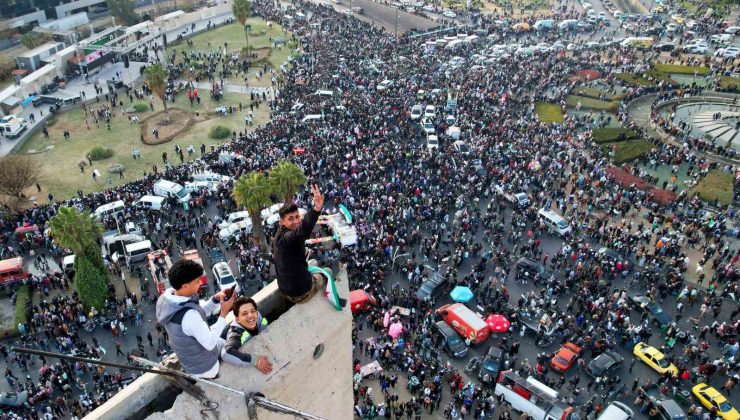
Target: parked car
x: 432, y: 287
x: 416, y: 112
x: 451, y: 342
x: 236, y: 230
x: 665, y: 46
x: 565, y: 357
x: 604, y: 364
x: 13, y: 399
x: 531, y: 270
x: 644, y: 304
x: 224, y: 276
x: 492, y: 363
x: 729, y: 52
x: 430, y: 111
x: 461, y: 147
x: 654, y: 358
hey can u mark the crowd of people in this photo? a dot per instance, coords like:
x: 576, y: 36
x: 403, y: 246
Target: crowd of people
x: 438, y: 212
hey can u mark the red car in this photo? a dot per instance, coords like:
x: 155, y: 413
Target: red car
x: 565, y: 357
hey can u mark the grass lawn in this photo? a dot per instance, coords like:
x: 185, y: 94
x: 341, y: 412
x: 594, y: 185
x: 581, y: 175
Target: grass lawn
x: 678, y: 69
x: 233, y: 35
x: 60, y: 166
x: 595, y: 93
x: 608, y: 135
x: 634, y: 79
x: 627, y: 151
x: 549, y: 113
x: 5, y: 83
x: 720, y: 7
x: 590, y: 103
x: 727, y: 81
x: 717, y: 185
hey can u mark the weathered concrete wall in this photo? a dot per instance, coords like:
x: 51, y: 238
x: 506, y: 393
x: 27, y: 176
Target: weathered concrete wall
x: 322, y: 386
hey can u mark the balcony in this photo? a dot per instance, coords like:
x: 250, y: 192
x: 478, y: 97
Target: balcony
x: 319, y: 384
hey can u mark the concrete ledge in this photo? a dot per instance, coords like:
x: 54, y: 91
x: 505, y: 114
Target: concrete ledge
x: 321, y: 386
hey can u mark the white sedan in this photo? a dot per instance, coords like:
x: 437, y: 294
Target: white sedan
x: 416, y: 112
x: 236, y: 230
x: 430, y: 111
x: 729, y: 52
x: 449, y: 14
x: 224, y: 277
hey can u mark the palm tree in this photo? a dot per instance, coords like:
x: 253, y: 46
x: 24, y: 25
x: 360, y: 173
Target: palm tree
x: 252, y: 192
x: 77, y: 231
x: 285, y: 178
x: 156, y: 77
x: 242, y: 10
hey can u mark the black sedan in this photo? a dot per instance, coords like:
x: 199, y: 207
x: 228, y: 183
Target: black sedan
x: 646, y: 305
x: 432, y: 287
x: 529, y: 269
x: 13, y: 399
x: 492, y: 364
x: 604, y: 364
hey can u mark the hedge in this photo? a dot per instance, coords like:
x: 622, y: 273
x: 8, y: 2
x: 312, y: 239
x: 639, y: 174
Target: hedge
x: 590, y: 103
x: 728, y: 81
x: 679, y: 69
x: 22, y: 296
x: 549, y: 113
x: 91, y: 283
x: 219, y: 132
x: 608, y: 135
x: 627, y: 151
x: 100, y: 153
x: 716, y: 185
x: 141, y: 107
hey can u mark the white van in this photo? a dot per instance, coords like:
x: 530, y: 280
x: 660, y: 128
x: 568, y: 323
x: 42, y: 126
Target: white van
x: 328, y: 93
x: 311, y: 117
x: 234, y: 217
x: 554, y: 222
x: 116, y: 207
x: 68, y: 263
x: 210, y: 177
x: 138, y: 251
x: 151, y: 202
x: 616, y: 411
x: 164, y: 188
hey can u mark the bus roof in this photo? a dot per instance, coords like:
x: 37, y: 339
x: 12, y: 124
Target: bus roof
x: 137, y: 246
x: 11, y: 264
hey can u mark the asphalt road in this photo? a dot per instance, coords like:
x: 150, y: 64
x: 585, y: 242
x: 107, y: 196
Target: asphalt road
x: 390, y: 18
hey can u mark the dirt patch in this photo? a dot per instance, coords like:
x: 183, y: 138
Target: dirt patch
x: 178, y: 122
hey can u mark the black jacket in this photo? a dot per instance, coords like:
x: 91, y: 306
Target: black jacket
x: 289, y: 253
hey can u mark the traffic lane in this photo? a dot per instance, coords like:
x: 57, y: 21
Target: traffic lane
x: 389, y: 16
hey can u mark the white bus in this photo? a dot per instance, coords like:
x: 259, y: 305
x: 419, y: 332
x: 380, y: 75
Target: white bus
x: 531, y: 396
x: 138, y: 251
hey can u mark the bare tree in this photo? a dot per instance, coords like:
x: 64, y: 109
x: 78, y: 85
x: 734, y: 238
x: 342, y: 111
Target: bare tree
x: 18, y: 173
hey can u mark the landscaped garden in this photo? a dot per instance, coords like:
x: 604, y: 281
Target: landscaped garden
x: 716, y: 185
x: 668, y: 73
x: 549, y: 113
x: 60, y: 166
x: 262, y: 41
x: 626, y: 151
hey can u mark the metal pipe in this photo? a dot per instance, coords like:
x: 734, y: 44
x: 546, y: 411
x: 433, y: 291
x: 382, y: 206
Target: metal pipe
x: 87, y: 360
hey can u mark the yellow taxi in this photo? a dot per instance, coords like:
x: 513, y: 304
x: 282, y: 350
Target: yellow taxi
x: 678, y: 19
x: 712, y: 399
x: 654, y: 358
